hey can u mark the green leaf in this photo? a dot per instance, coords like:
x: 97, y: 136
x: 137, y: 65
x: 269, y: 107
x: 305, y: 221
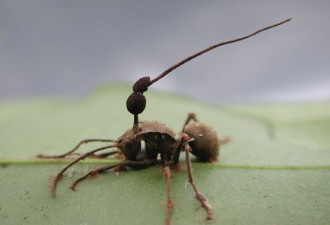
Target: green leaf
x: 276, y: 170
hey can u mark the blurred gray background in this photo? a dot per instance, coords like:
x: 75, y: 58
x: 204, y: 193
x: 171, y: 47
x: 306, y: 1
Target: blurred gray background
x: 67, y: 48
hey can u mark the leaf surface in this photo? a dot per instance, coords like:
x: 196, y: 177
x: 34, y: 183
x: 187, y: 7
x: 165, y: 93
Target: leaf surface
x: 276, y: 170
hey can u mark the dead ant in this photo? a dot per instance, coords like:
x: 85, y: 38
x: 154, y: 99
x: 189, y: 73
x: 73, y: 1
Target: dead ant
x: 158, y: 139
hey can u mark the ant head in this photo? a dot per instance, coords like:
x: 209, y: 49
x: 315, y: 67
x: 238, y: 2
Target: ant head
x: 129, y: 145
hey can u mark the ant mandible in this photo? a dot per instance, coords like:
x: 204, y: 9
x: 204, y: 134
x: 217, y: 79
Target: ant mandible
x: 195, y: 137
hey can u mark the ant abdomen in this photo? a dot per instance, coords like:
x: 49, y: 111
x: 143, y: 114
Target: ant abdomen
x: 205, y: 144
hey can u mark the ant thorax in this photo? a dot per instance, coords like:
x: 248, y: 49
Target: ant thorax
x: 152, y: 139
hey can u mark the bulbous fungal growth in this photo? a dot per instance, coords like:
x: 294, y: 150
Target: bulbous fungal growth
x: 141, y: 85
x: 136, y: 103
x: 205, y: 145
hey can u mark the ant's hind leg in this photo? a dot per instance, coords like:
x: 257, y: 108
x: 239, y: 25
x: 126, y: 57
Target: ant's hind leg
x: 132, y: 164
x: 204, y: 201
x: 85, y: 141
x: 225, y: 140
x: 191, y: 116
x: 167, y: 172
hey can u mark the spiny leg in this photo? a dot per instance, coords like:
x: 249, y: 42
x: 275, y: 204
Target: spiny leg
x: 180, y: 142
x: 204, y: 201
x: 167, y: 172
x: 191, y: 116
x: 133, y: 164
x: 74, y: 149
x: 105, y: 154
x: 225, y: 140
x: 81, y: 157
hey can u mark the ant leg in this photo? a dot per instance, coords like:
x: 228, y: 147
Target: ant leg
x: 178, y: 148
x: 106, y: 154
x: 167, y: 172
x: 133, y: 164
x: 191, y: 116
x: 56, y: 178
x: 225, y: 140
x: 204, y: 201
x: 74, y: 149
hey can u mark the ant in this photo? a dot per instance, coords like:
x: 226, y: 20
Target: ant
x: 141, y: 145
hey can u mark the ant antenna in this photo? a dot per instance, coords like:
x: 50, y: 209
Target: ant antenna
x: 136, y: 102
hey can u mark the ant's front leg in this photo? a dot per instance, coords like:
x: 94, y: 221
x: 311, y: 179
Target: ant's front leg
x: 85, y: 141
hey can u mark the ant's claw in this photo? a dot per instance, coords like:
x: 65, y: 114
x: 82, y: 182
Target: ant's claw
x: 73, y: 188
